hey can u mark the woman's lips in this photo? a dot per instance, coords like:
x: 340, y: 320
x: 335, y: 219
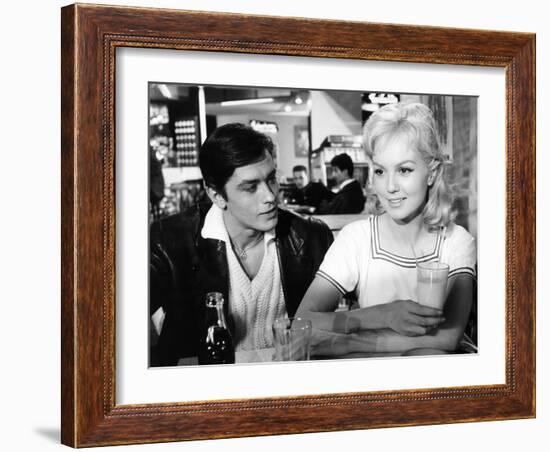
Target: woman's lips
x: 395, y: 202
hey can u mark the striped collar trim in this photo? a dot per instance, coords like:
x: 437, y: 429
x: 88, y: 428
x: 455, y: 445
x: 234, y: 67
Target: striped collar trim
x: 331, y: 280
x: 409, y: 262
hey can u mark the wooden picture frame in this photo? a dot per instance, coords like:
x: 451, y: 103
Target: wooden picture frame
x: 90, y: 36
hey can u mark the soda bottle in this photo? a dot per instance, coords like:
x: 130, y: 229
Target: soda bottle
x: 217, y: 345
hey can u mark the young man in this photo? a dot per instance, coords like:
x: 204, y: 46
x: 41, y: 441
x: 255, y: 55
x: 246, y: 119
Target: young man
x: 310, y: 194
x: 262, y: 259
x: 350, y: 197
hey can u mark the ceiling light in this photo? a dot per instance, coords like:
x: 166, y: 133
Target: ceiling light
x: 165, y: 91
x: 264, y: 100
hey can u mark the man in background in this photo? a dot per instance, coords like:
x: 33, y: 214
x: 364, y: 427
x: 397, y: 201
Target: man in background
x: 309, y: 195
x: 350, y: 197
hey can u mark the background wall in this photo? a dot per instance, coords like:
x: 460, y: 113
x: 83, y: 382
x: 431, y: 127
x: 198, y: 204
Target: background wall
x: 334, y: 113
x: 30, y: 264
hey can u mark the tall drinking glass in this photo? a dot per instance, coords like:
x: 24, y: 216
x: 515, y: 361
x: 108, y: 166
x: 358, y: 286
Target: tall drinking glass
x: 432, y: 283
x: 292, y: 337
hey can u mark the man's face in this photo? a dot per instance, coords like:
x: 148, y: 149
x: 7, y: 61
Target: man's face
x: 251, y: 197
x: 300, y: 178
x: 339, y: 175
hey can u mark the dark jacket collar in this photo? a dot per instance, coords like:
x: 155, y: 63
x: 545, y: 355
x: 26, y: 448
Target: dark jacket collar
x: 349, y: 185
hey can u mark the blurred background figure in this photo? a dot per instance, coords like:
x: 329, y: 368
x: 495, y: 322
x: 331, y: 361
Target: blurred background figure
x: 308, y: 194
x: 350, y: 197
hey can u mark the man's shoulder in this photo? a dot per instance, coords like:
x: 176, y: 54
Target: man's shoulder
x: 354, y: 185
x: 302, y: 225
x: 178, y: 226
x: 316, y: 186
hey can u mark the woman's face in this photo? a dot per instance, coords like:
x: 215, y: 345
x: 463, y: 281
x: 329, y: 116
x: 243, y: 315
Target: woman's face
x: 400, y: 178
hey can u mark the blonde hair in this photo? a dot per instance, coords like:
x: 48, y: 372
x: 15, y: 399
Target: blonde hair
x: 416, y: 121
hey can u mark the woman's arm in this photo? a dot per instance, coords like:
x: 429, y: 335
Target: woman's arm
x: 447, y: 337
x: 403, y: 316
x: 333, y: 337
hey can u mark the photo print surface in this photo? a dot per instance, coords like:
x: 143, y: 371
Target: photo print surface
x: 299, y: 224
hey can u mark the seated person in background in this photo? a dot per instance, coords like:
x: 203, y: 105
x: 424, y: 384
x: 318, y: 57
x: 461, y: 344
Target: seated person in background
x: 376, y: 258
x: 262, y: 259
x: 309, y: 195
x: 350, y: 197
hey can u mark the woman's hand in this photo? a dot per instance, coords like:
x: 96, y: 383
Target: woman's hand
x: 409, y: 318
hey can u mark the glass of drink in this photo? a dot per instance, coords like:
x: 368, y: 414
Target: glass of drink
x: 432, y: 283
x: 292, y: 337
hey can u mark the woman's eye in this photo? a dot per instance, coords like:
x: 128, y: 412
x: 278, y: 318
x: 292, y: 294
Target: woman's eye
x: 405, y: 170
x: 378, y: 171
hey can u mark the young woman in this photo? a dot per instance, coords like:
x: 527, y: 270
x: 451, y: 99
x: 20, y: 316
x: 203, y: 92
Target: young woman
x: 376, y: 258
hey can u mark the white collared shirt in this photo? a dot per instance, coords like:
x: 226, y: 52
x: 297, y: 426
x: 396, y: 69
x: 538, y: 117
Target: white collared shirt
x: 346, y: 182
x: 253, y: 304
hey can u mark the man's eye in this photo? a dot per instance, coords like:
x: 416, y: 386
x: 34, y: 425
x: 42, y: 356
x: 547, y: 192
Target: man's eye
x: 378, y: 172
x: 249, y: 188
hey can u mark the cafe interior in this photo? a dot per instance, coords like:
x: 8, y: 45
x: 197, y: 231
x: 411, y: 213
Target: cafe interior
x: 308, y: 128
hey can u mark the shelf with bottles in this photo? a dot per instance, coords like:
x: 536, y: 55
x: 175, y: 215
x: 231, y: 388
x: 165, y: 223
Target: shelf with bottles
x: 334, y: 145
x: 161, y: 141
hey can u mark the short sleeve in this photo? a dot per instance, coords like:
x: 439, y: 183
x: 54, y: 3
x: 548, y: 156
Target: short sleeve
x: 341, y: 264
x: 461, y: 254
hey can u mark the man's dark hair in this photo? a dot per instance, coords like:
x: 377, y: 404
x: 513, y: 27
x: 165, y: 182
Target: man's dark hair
x: 299, y: 168
x: 229, y: 147
x: 343, y: 162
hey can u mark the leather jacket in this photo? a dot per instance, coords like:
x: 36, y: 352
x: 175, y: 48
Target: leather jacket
x: 184, y: 267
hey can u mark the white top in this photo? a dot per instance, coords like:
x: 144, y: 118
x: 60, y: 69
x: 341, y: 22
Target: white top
x: 253, y: 304
x: 357, y: 262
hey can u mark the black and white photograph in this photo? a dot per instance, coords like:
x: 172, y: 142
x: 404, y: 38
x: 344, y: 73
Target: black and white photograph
x: 275, y: 226
x: 292, y: 224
